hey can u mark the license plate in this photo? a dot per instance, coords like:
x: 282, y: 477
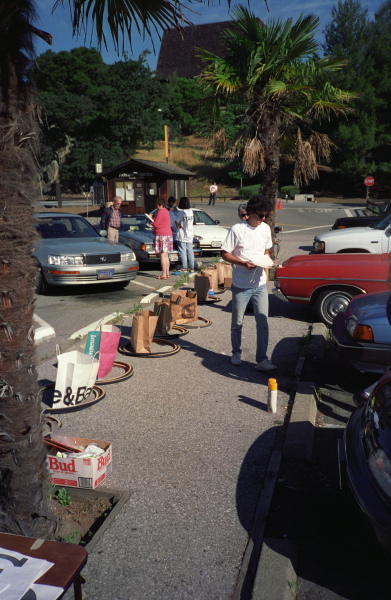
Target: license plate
x: 105, y: 274
x: 216, y: 244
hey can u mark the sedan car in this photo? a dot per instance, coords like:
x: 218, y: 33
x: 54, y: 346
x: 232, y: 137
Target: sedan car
x: 329, y: 282
x: 363, y: 333
x: 365, y: 221
x: 136, y: 233
x: 71, y: 252
x: 375, y: 239
x: 368, y: 460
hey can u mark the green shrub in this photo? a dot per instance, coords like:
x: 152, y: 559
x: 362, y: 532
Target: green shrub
x: 289, y: 190
x: 250, y: 190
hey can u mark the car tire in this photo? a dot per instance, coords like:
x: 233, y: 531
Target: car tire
x: 41, y: 285
x: 330, y: 303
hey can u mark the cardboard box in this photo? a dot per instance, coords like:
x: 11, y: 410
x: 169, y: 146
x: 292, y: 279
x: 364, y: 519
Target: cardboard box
x: 80, y: 472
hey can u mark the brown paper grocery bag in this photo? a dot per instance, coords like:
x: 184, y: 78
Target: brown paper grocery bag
x: 201, y: 286
x: 165, y: 320
x: 213, y: 278
x: 143, y: 329
x: 223, y: 270
x: 184, y: 307
x: 227, y: 282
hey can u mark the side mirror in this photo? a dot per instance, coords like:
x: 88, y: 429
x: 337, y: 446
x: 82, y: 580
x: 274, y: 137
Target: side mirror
x: 217, y: 222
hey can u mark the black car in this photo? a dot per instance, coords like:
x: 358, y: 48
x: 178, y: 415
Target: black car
x: 368, y: 459
x: 366, y: 221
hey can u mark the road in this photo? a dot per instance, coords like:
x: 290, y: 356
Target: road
x: 87, y: 304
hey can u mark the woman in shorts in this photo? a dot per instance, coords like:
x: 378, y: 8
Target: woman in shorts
x: 162, y: 237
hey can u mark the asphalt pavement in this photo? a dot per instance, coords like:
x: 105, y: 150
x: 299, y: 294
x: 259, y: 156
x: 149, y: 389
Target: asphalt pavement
x: 192, y: 442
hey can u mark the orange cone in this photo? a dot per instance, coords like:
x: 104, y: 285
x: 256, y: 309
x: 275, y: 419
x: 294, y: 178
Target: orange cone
x: 279, y: 203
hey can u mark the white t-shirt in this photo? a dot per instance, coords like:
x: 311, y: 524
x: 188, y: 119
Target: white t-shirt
x: 185, y: 218
x: 213, y: 189
x: 246, y: 242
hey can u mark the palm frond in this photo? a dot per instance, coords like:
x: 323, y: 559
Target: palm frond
x: 253, y: 156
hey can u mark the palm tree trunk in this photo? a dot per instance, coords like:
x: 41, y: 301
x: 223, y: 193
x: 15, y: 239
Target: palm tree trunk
x: 23, y: 473
x: 270, y: 136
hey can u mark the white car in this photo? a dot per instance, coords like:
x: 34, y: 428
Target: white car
x: 375, y: 240
x: 209, y: 233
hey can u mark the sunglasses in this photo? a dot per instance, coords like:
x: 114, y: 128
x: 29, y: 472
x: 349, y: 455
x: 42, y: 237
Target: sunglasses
x: 242, y: 215
x: 261, y: 215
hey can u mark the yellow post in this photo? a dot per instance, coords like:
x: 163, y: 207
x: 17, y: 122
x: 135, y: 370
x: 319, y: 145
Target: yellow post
x: 166, y: 142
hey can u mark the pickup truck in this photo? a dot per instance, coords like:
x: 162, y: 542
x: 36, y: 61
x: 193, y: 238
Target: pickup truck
x: 375, y: 239
x: 365, y: 221
x: 329, y: 282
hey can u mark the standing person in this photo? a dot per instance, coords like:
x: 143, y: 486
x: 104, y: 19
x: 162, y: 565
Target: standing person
x: 111, y: 220
x: 212, y: 193
x: 184, y: 222
x: 162, y: 236
x: 173, y: 210
x: 242, y: 212
x: 247, y: 242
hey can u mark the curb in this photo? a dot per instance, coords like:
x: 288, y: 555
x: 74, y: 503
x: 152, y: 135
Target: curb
x: 275, y: 576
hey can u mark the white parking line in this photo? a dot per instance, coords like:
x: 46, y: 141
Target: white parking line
x: 150, y: 287
x: 82, y: 332
x: 348, y: 213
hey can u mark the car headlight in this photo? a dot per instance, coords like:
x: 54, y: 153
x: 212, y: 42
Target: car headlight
x: 65, y: 260
x: 198, y: 237
x: 319, y: 246
x: 127, y: 256
x: 147, y: 247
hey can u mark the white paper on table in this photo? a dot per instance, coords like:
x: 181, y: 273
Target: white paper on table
x: 262, y: 260
x: 18, y: 573
x: 45, y: 592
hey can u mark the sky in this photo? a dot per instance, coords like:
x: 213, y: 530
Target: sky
x: 59, y: 23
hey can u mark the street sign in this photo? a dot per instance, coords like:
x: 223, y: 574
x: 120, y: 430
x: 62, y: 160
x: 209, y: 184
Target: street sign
x: 368, y: 181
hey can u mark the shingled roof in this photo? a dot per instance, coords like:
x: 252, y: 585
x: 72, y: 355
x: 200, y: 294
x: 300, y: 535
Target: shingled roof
x: 178, y: 50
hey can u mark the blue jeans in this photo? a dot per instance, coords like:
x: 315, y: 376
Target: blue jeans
x: 186, y: 253
x: 260, y: 301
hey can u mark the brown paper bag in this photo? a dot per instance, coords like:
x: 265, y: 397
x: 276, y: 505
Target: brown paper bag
x: 143, y: 329
x: 223, y: 270
x: 165, y: 321
x: 227, y: 282
x: 184, y: 307
x: 201, y: 286
x: 213, y: 278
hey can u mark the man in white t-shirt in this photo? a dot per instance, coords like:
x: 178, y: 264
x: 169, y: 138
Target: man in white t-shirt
x: 212, y: 193
x: 245, y: 245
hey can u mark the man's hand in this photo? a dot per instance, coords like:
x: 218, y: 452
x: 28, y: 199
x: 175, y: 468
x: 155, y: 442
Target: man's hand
x: 249, y: 265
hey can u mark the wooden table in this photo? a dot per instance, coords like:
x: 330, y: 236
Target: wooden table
x: 68, y: 559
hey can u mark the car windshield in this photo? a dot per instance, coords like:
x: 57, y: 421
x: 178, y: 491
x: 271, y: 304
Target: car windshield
x: 384, y: 222
x: 135, y: 223
x: 65, y: 227
x: 200, y: 217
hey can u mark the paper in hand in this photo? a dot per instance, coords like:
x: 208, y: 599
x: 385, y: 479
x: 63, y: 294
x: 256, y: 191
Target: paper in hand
x: 262, y: 261
x: 148, y: 217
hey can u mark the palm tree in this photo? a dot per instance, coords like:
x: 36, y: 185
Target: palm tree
x: 273, y: 72
x: 23, y: 475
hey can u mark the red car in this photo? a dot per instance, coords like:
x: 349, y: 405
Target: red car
x: 329, y: 281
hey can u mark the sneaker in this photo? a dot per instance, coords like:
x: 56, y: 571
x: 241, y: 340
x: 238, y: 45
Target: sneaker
x: 236, y: 359
x: 265, y: 365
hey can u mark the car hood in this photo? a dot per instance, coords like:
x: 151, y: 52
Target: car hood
x: 144, y: 237
x: 78, y: 246
x: 345, y: 234
x: 210, y: 232
x: 373, y: 310
x: 313, y: 261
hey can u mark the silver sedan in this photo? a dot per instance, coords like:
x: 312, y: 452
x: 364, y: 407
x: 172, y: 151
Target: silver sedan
x: 71, y: 252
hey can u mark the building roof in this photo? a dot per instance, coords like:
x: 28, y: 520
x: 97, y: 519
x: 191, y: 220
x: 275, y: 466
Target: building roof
x: 178, y: 52
x: 162, y: 167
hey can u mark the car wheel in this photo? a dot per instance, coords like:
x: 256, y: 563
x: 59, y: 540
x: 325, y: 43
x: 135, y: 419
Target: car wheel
x: 330, y: 303
x: 41, y: 285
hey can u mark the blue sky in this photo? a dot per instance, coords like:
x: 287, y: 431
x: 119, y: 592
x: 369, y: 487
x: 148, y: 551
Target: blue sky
x: 59, y: 23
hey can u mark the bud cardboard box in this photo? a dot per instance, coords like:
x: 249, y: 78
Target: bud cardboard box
x: 80, y: 472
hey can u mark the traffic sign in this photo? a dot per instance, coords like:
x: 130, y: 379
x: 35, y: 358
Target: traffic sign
x: 368, y: 181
